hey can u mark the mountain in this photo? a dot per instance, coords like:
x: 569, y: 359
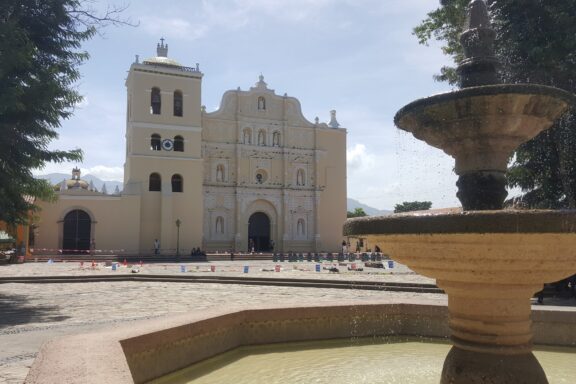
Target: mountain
x: 56, y: 178
x: 370, y: 211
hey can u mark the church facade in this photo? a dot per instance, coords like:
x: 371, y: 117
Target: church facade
x: 254, y: 174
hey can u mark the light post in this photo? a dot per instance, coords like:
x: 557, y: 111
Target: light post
x: 178, y: 222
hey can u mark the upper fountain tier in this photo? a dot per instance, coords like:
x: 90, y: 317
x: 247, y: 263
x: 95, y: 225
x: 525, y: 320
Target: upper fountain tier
x: 482, y: 124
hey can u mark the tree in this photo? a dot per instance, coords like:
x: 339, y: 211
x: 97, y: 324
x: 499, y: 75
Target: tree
x: 40, y: 54
x: 535, y: 43
x: 409, y: 206
x: 358, y: 212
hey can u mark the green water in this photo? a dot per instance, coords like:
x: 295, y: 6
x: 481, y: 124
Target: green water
x: 363, y: 361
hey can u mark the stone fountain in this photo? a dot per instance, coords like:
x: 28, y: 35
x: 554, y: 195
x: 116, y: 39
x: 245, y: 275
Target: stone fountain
x: 489, y: 261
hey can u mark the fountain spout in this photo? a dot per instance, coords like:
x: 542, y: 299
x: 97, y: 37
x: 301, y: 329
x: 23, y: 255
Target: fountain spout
x: 480, y: 64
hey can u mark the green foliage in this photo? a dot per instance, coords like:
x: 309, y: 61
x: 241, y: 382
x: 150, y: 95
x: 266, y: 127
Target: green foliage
x: 536, y: 43
x: 409, y: 206
x: 39, y: 58
x: 358, y: 212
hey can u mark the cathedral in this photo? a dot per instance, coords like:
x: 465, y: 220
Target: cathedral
x: 254, y: 174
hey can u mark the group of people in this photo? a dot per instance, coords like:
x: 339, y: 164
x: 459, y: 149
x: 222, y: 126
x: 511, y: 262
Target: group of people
x: 359, y: 245
x: 194, y: 252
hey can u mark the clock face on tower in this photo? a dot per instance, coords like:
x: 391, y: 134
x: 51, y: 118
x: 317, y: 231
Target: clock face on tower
x: 167, y: 145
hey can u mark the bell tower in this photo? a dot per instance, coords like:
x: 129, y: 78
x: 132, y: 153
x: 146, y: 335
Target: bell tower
x: 164, y: 165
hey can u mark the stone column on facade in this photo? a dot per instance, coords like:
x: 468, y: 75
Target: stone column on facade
x: 317, y: 239
x: 238, y: 152
x: 167, y: 221
x: 283, y: 202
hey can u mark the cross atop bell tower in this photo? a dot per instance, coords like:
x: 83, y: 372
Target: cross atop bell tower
x: 162, y: 49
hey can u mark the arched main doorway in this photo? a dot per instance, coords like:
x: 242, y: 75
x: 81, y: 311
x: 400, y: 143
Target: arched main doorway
x: 259, y: 232
x: 76, y: 236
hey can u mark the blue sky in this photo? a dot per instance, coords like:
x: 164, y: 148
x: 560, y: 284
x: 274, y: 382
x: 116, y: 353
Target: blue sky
x: 356, y: 56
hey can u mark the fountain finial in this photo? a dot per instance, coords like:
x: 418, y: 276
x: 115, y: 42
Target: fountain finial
x: 479, y: 66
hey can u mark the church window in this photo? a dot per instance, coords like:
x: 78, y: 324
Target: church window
x: 276, y: 139
x: 261, y: 138
x: 301, y: 228
x: 155, y: 142
x: 300, y: 177
x: 155, y: 101
x: 178, y: 144
x: 178, y: 107
x: 220, y: 172
x: 219, y: 225
x: 247, y: 136
x: 155, y: 182
x: 261, y: 103
x: 177, y: 183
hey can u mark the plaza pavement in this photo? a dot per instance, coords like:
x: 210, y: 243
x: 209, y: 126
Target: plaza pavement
x: 33, y: 313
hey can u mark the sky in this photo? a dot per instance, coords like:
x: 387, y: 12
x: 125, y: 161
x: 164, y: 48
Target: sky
x: 358, y: 57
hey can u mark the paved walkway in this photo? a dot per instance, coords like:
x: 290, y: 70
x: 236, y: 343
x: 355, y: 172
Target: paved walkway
x: 31, y: 314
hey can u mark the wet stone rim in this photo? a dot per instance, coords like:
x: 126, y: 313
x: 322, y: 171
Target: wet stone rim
x: 506, y: 221
x: 485, y: 90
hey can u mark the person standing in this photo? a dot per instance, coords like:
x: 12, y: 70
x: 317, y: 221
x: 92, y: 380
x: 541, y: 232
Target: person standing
x: 156, y: 246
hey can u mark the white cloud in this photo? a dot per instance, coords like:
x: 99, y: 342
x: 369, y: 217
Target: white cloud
x: 358, y: 159
x: 105, y: 173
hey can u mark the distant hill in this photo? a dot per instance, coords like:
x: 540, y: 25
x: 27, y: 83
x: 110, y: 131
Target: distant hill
x: 370, y: 211
x: 56, y: 178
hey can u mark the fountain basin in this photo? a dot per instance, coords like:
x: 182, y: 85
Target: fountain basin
x: 145, y: 350
x: 489, y: 263
x: 508, y: 247
x: 481, y: 126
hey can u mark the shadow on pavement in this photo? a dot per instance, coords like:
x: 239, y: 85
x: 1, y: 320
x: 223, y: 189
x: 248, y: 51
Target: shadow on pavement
x: 16, y: 310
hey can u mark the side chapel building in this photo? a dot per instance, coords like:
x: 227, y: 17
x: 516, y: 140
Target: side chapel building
x: 254, y: 172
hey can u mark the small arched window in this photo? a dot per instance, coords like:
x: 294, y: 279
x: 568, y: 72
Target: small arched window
x: 261, y: 103
x: 300, y: 177
x: 247, y: 137
x: 219, y: 225
x: 301, y: 228
x: 155, y: 142
x: 155, y: 101
x: 276, y: 139
x: 178, y: 106
x: 220, y: 172
x: 154, y: 182
x: 261, y: 138
x: 178, y: 144
x: 177, y: 183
